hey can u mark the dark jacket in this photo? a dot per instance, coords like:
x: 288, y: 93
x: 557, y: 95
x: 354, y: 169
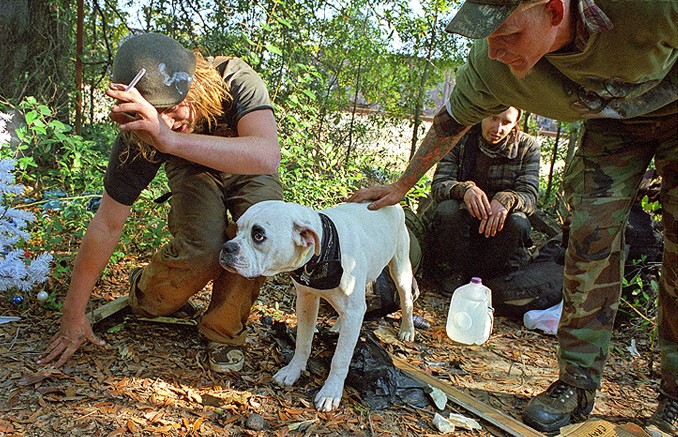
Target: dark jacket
x: 513, y: 182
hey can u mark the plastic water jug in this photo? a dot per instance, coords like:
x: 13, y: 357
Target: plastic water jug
x: 471, y: 316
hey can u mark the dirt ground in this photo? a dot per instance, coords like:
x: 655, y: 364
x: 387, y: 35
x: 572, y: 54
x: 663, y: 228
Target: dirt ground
x: 152, y: 378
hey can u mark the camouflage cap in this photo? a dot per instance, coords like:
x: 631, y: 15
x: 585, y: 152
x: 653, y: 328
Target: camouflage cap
x: 477, y: 19
x: 169, y: 68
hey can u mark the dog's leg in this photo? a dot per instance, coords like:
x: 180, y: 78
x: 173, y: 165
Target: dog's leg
x: 350, y: 320
x: 307, y: 314
x: 400, y: 268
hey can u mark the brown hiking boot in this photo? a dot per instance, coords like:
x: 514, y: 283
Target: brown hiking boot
x: 665, y: 418
x: 560, y: 405
x: 225, y: 358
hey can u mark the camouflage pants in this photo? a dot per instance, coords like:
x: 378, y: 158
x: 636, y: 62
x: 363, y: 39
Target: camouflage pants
x: 601, y: 184
x: 198, y: 222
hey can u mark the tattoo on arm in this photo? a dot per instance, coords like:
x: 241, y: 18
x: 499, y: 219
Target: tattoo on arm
x: 433, y: 148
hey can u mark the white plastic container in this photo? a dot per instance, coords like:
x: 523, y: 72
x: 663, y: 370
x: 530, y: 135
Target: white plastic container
x: 471, y: 316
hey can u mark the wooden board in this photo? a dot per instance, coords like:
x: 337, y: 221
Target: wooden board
x: 108, y: 309
x: 119, y: 304
x: 469, y: 403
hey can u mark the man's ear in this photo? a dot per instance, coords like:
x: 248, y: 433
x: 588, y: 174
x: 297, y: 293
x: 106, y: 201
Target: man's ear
x: 305, y: 236
x: 556, y: 8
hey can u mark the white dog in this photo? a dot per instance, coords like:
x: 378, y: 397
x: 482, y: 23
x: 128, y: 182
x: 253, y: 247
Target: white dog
x: 331, y: 254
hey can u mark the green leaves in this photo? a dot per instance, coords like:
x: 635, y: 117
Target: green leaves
x: 273, y: 49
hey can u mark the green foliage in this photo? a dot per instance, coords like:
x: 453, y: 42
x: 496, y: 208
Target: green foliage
x: 553, y: 161
x: 47, y: 143
x: 640, y: 291
x: 52, y: 159
x: 651, y: 207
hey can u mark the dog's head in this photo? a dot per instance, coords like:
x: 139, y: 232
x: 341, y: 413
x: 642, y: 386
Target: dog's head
x: 272, y: 237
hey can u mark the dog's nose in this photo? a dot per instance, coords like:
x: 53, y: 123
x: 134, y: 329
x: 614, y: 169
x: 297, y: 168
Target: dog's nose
x: 230, y: 248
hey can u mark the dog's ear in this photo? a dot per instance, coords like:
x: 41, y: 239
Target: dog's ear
x: 305, y: 236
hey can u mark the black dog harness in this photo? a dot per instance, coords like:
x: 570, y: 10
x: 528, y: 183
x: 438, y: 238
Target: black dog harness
x: 323, y: 272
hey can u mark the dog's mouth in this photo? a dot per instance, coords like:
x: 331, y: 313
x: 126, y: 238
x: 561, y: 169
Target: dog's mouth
x: 232, y: 265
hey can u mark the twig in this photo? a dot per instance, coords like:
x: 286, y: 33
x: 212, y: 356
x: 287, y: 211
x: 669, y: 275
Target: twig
x: 420, y: 409
x: 638, y: 312
x: 14, y: 341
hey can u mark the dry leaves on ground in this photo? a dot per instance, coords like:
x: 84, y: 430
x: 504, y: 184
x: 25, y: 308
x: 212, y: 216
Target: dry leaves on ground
x: 151, y: 379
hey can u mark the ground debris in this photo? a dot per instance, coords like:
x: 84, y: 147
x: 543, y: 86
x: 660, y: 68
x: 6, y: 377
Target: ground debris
x: 153, y: 379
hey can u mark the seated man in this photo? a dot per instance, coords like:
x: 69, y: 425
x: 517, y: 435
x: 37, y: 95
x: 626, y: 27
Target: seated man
x: 482, y: 192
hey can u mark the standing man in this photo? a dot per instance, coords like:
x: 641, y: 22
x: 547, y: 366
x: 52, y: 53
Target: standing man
x: 612, y: 63
x: 212, y: 126
x: 483, y: 191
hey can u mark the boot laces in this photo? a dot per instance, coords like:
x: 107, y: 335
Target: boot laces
x: 670, y: 413
x: 561, y: 390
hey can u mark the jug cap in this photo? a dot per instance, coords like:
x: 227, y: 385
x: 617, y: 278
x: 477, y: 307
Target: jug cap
x: 476, y: 280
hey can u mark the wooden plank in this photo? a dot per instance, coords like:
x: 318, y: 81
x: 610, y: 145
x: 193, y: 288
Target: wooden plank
x: 108, y: 309
x: 169, y: 320
x: 469, y: 403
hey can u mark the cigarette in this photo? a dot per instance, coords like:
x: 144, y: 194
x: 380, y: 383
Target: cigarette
x: 136, y: 79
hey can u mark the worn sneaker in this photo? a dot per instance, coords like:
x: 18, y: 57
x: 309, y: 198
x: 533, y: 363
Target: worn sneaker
x: 225, y: 358
x: 560, y: 405
x: 665, y: 418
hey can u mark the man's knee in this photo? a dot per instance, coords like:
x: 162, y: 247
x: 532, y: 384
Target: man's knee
x: 447, y: 214
x: 518, y: 223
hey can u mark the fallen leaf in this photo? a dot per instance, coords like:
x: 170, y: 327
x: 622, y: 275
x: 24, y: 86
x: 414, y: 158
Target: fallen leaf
x: 197, y: 424
x: 5, y: 426
x: 303, y: 423
x: 34, y: 378
x: 117, y: 432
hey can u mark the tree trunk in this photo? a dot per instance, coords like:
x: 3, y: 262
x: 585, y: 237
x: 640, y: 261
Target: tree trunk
x: 34, y: 56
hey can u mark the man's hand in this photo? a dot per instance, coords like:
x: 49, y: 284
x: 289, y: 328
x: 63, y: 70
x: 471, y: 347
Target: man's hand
x: 71, y: 335
x: 383, y: 195
x: 495, y: 221
x: 133, y: 113
x: 477, y: 203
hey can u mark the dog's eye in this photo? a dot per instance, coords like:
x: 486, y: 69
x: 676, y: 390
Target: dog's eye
x: 258, y: 234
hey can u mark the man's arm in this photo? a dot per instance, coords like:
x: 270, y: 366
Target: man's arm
x: 103, y: 234
x: 254, y: 151
x: 445, y: 181
x: 438, y: 141
x: 522, y: 196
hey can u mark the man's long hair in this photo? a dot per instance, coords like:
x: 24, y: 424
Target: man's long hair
x: 208, y: 96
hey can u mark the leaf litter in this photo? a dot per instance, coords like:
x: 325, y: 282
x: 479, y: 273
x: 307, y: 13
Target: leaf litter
x: 152, y: 379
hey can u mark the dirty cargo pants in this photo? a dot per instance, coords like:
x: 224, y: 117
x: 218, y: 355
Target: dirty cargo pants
x: 198, y: 223
x: 601, y: 184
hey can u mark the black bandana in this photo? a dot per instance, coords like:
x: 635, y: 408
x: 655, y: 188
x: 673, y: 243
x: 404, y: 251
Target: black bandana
x: 324, y: 271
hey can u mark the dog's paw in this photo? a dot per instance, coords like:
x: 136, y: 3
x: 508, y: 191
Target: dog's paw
x: 287, y: 375
x: 406, y: 334
x: 329, y: 396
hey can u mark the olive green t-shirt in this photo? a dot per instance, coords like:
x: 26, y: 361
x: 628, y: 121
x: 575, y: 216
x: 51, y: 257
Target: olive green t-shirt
x: 624, y: 72
x: 128, y: 173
